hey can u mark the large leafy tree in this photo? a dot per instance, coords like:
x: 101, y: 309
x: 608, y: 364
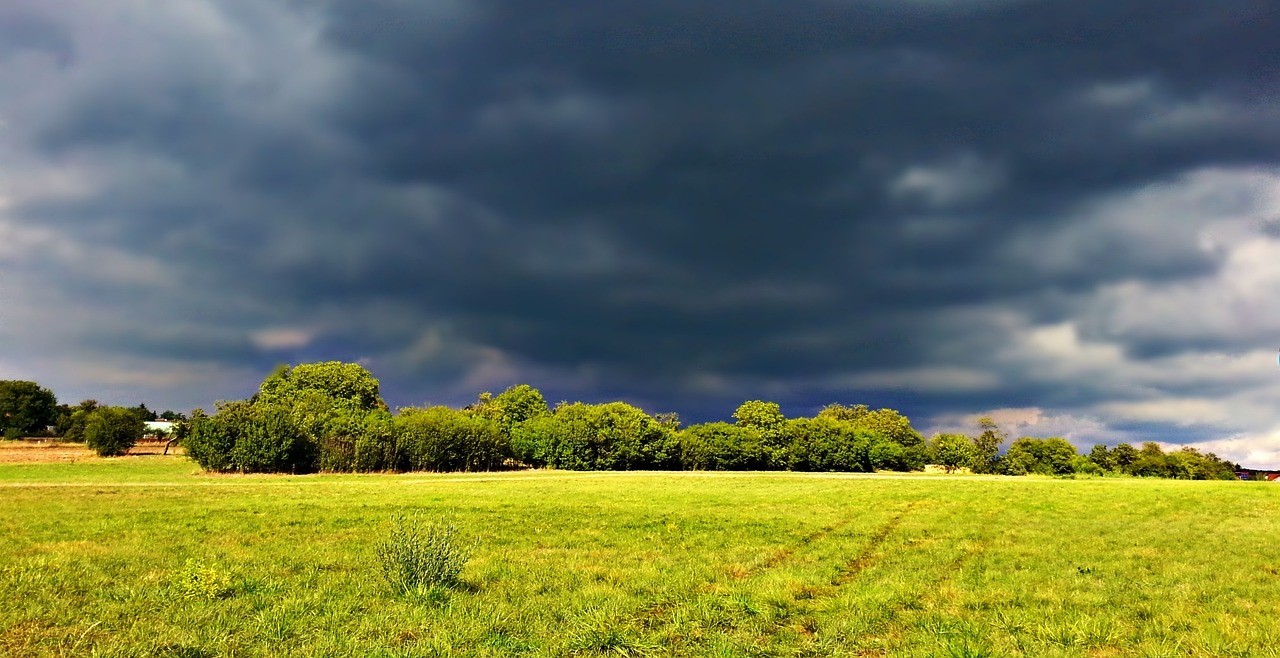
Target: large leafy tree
x: 25, y: 407
x: 953, y: 451
x: 345, y: 384
x: 512, y: 406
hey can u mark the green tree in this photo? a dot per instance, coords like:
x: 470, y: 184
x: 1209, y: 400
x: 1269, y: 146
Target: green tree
x: 1102, y: 457
x: 1123, y: 456
x: 512, y: 406
x: 143, y: 413
x: 1051, y: 456
x: 614, y: 436
x: 764, y: 417
x: 892, y: 424
x: 722, y: 447
x: 986, y: 446
x: 111, y: 431
x: 444, y: 439
x: 767, y: 419
x: 850, y: 414
x: 826, y: 444
x: 25, y: 408
x: 953, y: 451
x: 71, y: 425
x: 346, y: 384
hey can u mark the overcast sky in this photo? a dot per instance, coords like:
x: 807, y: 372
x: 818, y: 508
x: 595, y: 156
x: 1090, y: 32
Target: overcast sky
x: 1065, y: 213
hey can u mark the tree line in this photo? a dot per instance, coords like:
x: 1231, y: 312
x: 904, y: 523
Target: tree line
x: 331, y: 417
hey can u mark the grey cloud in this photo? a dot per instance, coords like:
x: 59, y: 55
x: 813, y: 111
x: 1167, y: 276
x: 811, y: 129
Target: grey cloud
x: 681, y: 203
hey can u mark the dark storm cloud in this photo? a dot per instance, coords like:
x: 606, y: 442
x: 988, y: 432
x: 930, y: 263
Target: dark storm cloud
x: 700, y: 201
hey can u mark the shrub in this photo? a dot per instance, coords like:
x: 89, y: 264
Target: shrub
x: 197, y: 580
x: 13, y: 434
x: 953, y: 451
x: 1051, y: 456
x: 444, y: 439
x: 358, y: 441
x: 269, y: 441
x: 250, y: 438
x: 376, y: 448
x: 111, y: 431
x: 828, y: 444
x: 885, y: 455
x: 416, y: 557
x: 722, y: 447
x: 211, y: 438
x: 610, y: 436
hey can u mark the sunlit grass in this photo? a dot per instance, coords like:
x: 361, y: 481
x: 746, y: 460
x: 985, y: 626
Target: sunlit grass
x: 637, y: 564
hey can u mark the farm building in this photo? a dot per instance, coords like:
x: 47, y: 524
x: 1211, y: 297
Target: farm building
x: 160, y: 428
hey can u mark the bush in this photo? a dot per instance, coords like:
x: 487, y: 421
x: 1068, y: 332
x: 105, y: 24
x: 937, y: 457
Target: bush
x: 196, y: 580
x: 1053, y: 456
x: 13, y: 434
x: 250, y: 438
x: 269, y: 441
x: 600, y: 437
x: 953, y: 451
x: 722, y: 447
x: 827, y: 444
x: 111, y: 431
x: 360, y: 442
x: 209, y: 441
x: 416, y: 557
x: 444, y: 439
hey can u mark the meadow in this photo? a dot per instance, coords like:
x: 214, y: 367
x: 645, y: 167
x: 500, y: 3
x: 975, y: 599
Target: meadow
x: 628, y: 563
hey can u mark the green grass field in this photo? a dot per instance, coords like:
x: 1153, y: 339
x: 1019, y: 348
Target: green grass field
x: 639, y: 564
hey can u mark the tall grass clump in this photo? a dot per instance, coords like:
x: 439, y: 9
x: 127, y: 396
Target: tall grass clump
x: 419, y: 556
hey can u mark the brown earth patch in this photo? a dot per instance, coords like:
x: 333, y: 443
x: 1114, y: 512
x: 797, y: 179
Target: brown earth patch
x: 35, y: 451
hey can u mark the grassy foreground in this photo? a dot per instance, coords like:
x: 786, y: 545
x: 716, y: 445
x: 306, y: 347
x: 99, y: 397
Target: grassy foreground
x: 639, y: 564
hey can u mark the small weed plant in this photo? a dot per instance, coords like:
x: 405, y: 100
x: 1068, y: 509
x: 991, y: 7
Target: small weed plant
x: 422, y: 556
x: 197, y: 580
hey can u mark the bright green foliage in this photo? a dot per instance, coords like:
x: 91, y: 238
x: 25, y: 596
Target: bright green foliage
x: 417, y: 556
x: 842, y: 413
x: 953, y: 451
x: 111, y: 431
x: 722, y: 447
x: 512, y: 406
x: 764, y: 417
x: 1083, y: 465
x: 827, y: 444
x: 892, y: 425
x: 1051, y: 456
x: 346, y: 384
x: 610, y: 436
x: 251, y: 438
x: 25, y: 408
x: 1184, y: 464
x: 444, y: 439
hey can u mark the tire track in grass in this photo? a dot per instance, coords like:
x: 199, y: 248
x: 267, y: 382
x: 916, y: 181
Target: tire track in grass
x: 662, y: 612
x: 782, y: 555
x: 869, y: 553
